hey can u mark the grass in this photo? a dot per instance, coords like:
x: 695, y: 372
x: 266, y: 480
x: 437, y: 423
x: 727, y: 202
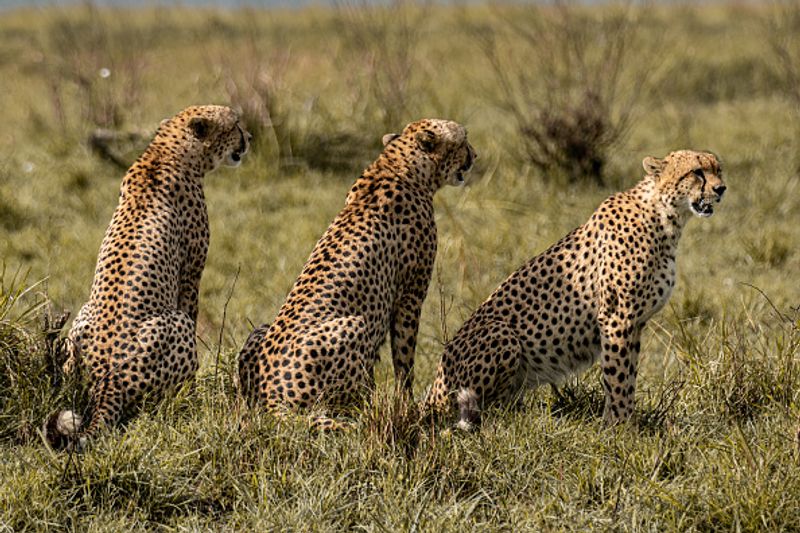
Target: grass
x: 716, y: 447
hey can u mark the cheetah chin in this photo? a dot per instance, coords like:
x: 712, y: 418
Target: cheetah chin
x: 703, y: 208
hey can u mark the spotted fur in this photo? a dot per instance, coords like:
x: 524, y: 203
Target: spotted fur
x: 584, y: 299
x: 367, y: 276
x: 136, y: 334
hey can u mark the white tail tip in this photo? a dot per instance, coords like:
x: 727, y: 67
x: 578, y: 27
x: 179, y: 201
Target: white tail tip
x: 468, y: 398
x: 68, y: 422
x: 469, y: 414
x: 466, y: 426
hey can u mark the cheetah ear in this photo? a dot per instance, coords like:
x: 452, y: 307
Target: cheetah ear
x: 389, y: 137
x: 200, y: 127
x: 427, y: 140
x: 653, y: 166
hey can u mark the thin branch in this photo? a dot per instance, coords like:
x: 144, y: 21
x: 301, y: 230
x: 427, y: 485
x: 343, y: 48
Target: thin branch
x: 222, y: 326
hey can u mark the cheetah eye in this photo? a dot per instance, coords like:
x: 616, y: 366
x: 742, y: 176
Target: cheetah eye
x: 699, y: 173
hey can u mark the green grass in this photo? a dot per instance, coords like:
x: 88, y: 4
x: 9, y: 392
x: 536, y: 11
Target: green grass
x: 716, y: 447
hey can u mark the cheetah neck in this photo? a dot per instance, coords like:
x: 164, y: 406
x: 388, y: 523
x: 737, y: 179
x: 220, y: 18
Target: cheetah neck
x: 385, y: 174
x: 667, y: 218
x: 156, y: 170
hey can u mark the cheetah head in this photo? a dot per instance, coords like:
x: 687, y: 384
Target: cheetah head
x: 690, y: 180
x: 206, y: 136
x: 440, y: 142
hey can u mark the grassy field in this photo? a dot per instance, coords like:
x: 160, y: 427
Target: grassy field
x: 717, y: 444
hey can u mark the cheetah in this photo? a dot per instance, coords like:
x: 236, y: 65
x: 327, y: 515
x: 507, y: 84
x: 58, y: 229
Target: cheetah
x: 136, y: 334
x: 585, y: 298
x: 367, y: 275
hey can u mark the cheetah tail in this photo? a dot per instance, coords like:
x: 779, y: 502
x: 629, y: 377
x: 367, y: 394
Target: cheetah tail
x: 61, y: 430
x: 469, y: 414
x: 324, y: 424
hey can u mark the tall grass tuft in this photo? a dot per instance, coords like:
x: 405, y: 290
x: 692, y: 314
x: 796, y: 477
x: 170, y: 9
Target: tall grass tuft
x: 746, y: 364
x: 30, y: 357
x: 390, y: 425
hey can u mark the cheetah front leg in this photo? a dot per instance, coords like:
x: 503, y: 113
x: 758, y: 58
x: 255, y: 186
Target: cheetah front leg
x: 404, y: 327
x: 619, y: 361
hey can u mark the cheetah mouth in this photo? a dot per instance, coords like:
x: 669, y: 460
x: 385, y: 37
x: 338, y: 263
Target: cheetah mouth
x: 702, y: 208
x: 235, y: 157
x: 457, y: 179
x: 460, y: 178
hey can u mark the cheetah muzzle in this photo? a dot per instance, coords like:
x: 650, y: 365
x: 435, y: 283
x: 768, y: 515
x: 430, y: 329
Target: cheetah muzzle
x: 466, y: 167
x: 702, y: 208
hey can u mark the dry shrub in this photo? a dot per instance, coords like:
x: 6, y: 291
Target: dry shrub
x: 94, y: 61
x: 381, y: 41
x: 570, y: 77
x: 254, y: 84
x: 377, y: 56
x: 783, y: 34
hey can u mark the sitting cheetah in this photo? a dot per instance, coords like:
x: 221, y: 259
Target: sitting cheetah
x: 136, y: 334
x: 367, y: 275
x: 585, y: 298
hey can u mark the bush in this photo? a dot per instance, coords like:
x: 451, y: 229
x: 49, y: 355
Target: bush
x: 783, y: 34
x: 567, y: 80
x: 382, y: 39
x: 93, y: 63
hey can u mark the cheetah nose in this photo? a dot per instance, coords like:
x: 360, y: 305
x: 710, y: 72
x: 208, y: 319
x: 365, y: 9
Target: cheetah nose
x: 720, y: 189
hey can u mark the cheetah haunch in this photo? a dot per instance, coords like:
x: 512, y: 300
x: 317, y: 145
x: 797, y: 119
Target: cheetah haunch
x: 367, y: 275
x: 585, y: 298
x: 136, y: 334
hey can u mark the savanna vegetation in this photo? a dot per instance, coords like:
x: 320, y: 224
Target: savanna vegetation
x: 562, y: 103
